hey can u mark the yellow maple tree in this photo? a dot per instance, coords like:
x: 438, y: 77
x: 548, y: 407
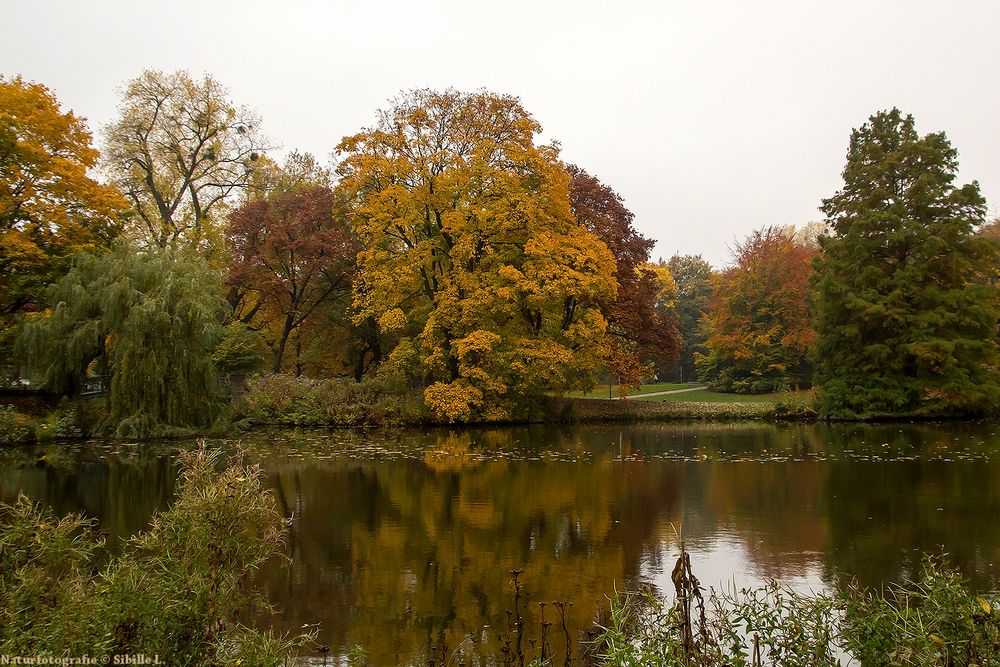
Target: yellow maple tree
x: 49, y: 206
x: 472, y: 255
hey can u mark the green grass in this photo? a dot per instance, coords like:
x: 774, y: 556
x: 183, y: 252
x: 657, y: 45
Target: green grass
x: 602, y: 391
x: 705, y: 396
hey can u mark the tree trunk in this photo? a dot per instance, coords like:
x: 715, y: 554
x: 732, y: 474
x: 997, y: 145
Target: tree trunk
x: 280, y: 352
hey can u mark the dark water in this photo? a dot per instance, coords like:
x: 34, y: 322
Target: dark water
x: 400, y: 539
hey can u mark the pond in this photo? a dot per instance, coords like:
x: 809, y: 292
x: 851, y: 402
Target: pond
x: 400, y: 540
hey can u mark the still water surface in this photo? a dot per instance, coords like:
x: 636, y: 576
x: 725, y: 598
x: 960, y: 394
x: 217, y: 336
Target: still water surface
x: 400, y: 538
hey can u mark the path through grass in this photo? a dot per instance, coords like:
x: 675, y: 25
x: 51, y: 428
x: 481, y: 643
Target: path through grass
x: 705, y: 396
x: 602, y: 391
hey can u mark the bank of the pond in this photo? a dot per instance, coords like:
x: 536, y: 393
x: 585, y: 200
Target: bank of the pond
x: 596, y: 410
x: 285, y: 401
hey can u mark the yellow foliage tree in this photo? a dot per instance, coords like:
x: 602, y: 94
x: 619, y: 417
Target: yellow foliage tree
x: 472, y: 252
x: 49, y: 207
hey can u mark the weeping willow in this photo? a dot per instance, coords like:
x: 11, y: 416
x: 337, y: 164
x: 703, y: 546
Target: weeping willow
x: 150, y: 322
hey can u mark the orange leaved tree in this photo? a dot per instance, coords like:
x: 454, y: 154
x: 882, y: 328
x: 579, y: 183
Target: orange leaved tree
x: 758, y: 325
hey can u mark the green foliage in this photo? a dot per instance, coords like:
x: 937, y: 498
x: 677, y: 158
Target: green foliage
x: 693, y: 277
x: 63, y: 422
x: 769, y: 625
x: 150, y: 321
x: 934, y: 622
x: 931, y: 622
x: 906, y: 324
x: 241, y: 349
x: 45, y: 599
x: 15, y: 428
x: 177, y: 590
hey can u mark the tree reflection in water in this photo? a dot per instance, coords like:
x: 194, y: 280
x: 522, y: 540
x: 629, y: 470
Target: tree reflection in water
x: 400, y: 539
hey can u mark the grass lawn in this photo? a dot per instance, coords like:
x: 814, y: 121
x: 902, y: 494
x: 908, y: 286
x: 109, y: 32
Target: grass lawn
x: 705, y: 396
x: 602, y: 392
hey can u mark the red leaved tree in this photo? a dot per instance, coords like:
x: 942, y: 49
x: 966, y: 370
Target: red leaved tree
x: 290, y: 257
x: 639, y: 332
x: 759, y: 328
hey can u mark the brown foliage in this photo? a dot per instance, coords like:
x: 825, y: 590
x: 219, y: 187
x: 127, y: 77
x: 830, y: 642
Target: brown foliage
x: 759, y: 326
x: 290, y: 255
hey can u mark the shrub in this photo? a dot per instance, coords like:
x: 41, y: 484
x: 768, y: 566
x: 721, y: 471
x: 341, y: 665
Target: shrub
x: 15, y: 428
x: 176, y: 590
x: 933, y: 622
x: 63, y: 422
x: 930, y: 622
x: 299, y: 401
x: 742, y: 628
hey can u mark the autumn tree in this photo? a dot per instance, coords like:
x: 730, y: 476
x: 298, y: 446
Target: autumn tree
x: 471, y: 255
x: 290, y: 256
x: 759, y: 332
x: 640, y: 333
x: 178, y: 151
x: 693, y: 277
x: 149, y: 321
x: 297, y: 171
x: 49, y: 207
x: 906, y: 323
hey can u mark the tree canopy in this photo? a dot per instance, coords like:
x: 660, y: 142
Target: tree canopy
x: 178, y: 150
x: 149, y: 321
x: 693, y: 277
x: 290, y: 256
x: 640, y: 333
x: 758, y: 326
x: 49, y: 207
x: 906, y: 323
x: 471, y: 255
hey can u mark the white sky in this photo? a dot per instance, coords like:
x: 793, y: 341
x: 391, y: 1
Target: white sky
x: 709, y: 118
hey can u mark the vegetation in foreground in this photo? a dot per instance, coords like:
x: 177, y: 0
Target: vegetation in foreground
x: 178, y: 590
x: 182, y: 588
x: 933, y: 622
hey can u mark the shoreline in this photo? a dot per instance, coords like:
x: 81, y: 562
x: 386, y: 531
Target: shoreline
x: 562, y: 410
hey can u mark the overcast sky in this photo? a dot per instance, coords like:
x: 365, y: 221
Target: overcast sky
x: 709, y: 118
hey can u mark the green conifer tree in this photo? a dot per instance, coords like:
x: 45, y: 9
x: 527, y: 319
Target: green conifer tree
x: 906, y: 324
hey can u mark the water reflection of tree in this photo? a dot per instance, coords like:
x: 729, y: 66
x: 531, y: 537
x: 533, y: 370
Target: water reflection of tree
x: 74, y: 479
x: 914, y: 489
x: 400, y: 535
x: 424, y: 546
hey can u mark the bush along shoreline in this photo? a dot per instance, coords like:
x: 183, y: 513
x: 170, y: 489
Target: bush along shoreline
x: 281, y: 400
x: 60, y: 589
x: 930, y: 622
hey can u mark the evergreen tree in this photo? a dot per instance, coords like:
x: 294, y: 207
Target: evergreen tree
x: 905, y: 324
x: 148, y: 320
